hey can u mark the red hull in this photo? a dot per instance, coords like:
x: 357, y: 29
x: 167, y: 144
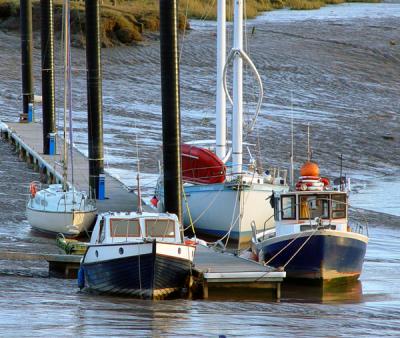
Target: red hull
x: 200, y: 165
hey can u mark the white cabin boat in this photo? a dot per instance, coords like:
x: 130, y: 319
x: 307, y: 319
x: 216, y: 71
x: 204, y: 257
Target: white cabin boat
x: 137, y: 254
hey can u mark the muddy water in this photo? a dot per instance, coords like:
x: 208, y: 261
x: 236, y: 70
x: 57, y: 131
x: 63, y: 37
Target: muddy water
x: 339, y: 65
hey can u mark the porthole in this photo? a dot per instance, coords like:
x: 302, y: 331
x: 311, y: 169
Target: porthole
x: 96, y: 253
x: 121, y: 251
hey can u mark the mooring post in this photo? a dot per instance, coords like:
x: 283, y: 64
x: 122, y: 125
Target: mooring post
x: 94, y: 95
x: 48, y: 98
x: 170, y: 107
x: 26, y: 61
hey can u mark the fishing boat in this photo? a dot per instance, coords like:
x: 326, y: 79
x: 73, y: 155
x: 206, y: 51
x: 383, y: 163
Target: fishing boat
x: 224, y: 198
x: 60, y: 208
x: 137, y: 254
x: 313, y: 238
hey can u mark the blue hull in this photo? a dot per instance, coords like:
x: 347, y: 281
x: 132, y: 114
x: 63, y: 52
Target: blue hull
x: 146, y: 276
x: 324, y: 257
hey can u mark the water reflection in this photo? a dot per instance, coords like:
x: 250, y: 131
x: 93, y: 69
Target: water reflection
x: 328, y: 292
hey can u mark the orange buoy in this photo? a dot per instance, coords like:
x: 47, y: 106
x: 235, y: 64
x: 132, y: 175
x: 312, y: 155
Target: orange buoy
x: 309, y: 169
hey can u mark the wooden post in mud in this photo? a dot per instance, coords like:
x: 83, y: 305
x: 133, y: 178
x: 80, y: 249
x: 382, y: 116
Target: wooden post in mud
x: 26, y: 58
x: 48, y: 103
x: 94, y: 97
x: 170, y: 107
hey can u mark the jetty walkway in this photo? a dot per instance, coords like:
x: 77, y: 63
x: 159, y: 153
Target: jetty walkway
x: 28, y: 141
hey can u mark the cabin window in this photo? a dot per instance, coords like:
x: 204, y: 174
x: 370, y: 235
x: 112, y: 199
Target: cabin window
x: 125, y: 228
x: 312, y: 206
x: 102, y: 234
x: 288, y: 207
x: 338, y: 206
x: 160, y: 228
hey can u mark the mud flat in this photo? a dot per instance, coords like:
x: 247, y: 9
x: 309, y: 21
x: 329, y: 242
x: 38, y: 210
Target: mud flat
x: 339, y: 64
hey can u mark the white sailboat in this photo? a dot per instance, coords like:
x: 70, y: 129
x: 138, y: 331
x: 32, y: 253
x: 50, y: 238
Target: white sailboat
x: 61, y: 208
x: 240, y: 199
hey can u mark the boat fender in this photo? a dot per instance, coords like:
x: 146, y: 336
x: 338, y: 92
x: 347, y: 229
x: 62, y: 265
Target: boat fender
x: 33, y: 189
x: 81, y: 278
x: 154, y: 201
x: 325, y: 181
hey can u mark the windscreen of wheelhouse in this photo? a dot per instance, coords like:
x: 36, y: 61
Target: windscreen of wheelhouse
x: 312, y: 206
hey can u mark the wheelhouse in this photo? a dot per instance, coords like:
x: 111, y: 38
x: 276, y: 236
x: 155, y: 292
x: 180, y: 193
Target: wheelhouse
x: 123, y: 227
x: 303, y: 210
x: 303, y: 206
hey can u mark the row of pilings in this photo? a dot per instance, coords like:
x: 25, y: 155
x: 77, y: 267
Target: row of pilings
x: 95, y: 117
x: 169, y: 84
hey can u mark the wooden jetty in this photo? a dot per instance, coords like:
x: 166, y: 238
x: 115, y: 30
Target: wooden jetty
x: 224, y: 273
x: 63, y: 266
x: 213, y: 271
x: 28, y: 141
x: 215, y: 274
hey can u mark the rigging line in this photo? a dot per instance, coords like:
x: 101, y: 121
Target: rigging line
x: 301, y: 247
x: 233, y: 213
x: 182, y: 44
x: 210, y: 6
x: 189, y: 213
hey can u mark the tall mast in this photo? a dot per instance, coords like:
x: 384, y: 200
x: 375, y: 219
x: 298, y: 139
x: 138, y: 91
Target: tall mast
x: 237, y: 118
x: 292, y: 146
x: 308, y: 143
x: 221, y: 97
x: 66, y: 87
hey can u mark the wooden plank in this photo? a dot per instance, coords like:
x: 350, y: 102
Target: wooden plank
x: 29, y: 256
x: 273, y: 276
x: 208, y: 260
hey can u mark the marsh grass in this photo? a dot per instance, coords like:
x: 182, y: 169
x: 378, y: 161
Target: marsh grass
x: 126, y: 22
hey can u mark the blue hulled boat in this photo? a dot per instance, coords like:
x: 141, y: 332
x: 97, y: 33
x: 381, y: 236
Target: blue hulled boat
x: 137, y: 254
x: 313, y: 238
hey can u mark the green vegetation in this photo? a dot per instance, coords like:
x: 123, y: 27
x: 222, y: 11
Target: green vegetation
x: 125, y: 21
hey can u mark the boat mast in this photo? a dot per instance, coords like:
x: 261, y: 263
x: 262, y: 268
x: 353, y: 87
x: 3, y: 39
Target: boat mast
x: 139, y: 193
x: 66, y: 61
x: 237, y: 118
x: 292, y: 146
x: 221, y: 97
x: 308, y: 143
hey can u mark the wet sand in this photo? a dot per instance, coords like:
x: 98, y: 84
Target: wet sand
x: 342, y: 74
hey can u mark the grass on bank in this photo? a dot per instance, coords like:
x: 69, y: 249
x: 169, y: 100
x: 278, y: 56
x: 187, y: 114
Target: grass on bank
x: 125, y: 21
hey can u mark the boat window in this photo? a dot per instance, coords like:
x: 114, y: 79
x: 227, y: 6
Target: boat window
x: 102, y: 234
x: 125, y: 227
x: 160, y: 228
x: 312, y: 206
x: 288, y: 207
x: 338, y: 206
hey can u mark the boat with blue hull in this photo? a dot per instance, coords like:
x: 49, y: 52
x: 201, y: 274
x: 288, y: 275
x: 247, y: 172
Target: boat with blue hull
x: 313, y: 238
x: 137, y: 254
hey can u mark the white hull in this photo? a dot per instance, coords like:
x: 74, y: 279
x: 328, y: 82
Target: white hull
x: 215, y: 209
x: 68, y: 223
x: 54, y: 211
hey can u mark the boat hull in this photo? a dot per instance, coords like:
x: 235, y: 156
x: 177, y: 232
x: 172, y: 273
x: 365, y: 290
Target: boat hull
x: 216, y: 208
x: 70, y: 224
x: 327, y: 255
x: 145, y: 270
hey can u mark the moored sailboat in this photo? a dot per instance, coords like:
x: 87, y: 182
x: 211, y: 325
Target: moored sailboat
x: 229, y: 198
x: 61, y: 208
